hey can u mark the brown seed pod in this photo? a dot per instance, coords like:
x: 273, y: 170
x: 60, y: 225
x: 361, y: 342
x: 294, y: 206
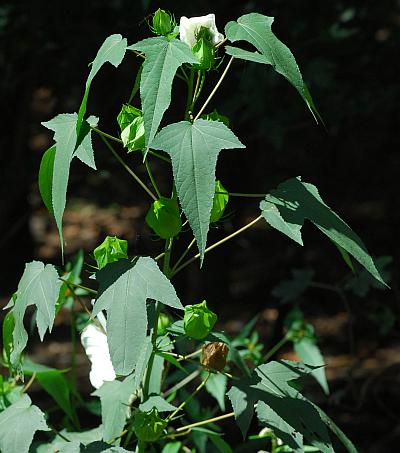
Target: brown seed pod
x: 214, y: 356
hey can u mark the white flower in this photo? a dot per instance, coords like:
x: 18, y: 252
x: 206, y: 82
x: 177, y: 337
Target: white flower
x: 94, y: 341
x: 189, y: 27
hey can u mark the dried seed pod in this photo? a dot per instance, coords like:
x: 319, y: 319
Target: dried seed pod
x: 214, y: 355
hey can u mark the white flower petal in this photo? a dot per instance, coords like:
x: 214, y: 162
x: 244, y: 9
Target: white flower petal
x: 188, y: 27
x: 95, y: 344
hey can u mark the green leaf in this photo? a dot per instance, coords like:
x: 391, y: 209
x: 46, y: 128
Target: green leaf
x: 294, y: 201
x: 75, y: 438
x: 216, y: 386
x: 46, y: 178
x: 171, y: 359
x: 172, y: 447
x: 84, y: 151
x: 256, y: 29
x: 158, y: 402
x: 7, y: 334
x: 220, y: 201
x: 163, y: 58
x: 308, y: 351
x: 40, y: 286
x: 113, y: 51
x: 58, y: 387
x: 125, y: 302
x: 194, y: 149
x: 18, y: 424
x: 271, y: 384
x: 114, y: 397
x: 64, y: 128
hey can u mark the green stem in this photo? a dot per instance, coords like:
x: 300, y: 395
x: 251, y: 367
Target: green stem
x: 222, y: 241
x: 182, y: 383
x: 276, y: 348
x: 153, y: 181
x: 160, y: 156
x: 206, y: 422
x: 75, y: 285
x: 189, y: 95
x: 215, y: 89
x: 245, y: 195
x: 104, y: 134
x: 192, y: 242
x: 183, y: 404
x: 127, y: 168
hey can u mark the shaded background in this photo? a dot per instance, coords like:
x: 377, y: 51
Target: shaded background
x: 349, y: 56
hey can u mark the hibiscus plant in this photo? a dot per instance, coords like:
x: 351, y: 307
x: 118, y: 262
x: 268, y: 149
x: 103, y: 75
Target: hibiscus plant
x: 154, y: 357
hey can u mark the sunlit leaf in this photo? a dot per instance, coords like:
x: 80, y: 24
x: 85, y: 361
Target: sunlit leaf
x: 125, y: 301
x: 163, y: 58
x: 194, y: 149
x: 294, y: 201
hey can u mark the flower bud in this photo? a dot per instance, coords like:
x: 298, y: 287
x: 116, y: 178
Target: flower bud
x: 163, y: 217
x: 164, y: 321
x: 204, y: 52
x: 163, y: 23
x: 214, y: 356
x: 220, y: 201
x: 148, y: 426
x: 131, y: 122
x: 110, y: 250
x: 198, y: 320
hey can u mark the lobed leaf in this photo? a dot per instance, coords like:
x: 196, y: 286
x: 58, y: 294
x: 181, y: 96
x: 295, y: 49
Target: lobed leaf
x: 194, y: 149
x: 294, y: 201
x: 18, y: 424
x: 163, y: 58
x: 39, y: 286
x: 124, y: 289
x: 256, y: 29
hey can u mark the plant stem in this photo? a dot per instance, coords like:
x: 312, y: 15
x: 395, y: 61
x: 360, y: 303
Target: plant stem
x: 29, y: 383
x: 189, y: 95
x: 182, y: 383
x: 150, y: 173
x: 274, y: 349
x: 104, y: 134
x: 127, y: 168
x: 206, y: 422
x: 215, y: 88
x: 192, y: 242
x: 245, y: 195
x: 75, y: 285
x: 160, y: 156
x: 183, y: 404
x: 208, y: 249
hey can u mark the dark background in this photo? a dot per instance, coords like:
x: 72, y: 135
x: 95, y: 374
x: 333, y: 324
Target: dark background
x: 348, y: 52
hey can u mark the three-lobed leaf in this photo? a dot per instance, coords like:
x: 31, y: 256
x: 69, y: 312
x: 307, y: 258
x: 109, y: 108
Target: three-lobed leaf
x: 39, y: 286
x: 256, y: 29
x: 124, y: 298
x: 294, y: 201
x: 18, y: 424
x: 194, y: 149
x: 163, y: 58
x: 295, y: 415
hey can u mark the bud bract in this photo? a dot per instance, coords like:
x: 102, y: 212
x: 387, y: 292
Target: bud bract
x: 198, y: 320
x: 148, y: 426
x: 164, y: 321
x: 220, y: 201
x: 110, y: 250
x: 163, y: 217
x: 204, y: 51
x: 131, y: 122
x: 163, y: 23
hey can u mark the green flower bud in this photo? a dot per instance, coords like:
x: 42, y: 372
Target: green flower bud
x: 131, y: 122
x: 163, y: 23
x: 204, y: 51
x: 164, y: 321
x: 215, y: 116
x: 148, y: 426
x: 110, y: 250
x: 220, y: 201
x: 163, y: 217
x: 198, y: 320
